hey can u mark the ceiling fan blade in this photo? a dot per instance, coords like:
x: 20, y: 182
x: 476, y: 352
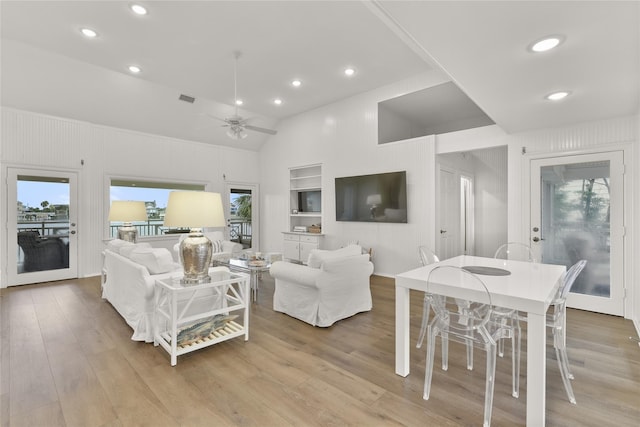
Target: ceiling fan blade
x: 259, y: 129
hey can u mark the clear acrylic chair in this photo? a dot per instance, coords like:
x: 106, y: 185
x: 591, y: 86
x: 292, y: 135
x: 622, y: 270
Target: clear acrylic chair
x: 515, y: 251
x: 426, y: 257
x: 556, y: 320
x: 469, y: 324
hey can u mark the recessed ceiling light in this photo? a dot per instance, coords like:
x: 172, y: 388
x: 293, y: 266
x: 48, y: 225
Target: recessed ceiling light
x: 277, y: 101
x: 134, y: 69
x: 546, y: 44
x: 88, y: 32
x: 296, y: 83
x: 138, y: 9
x: 238, y: 101
x: 557, y: 96
x: 349, y: 72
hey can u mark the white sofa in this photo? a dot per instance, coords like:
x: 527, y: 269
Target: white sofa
x: 131, y: 272
x: 227, y: 248
x: 332, y: 286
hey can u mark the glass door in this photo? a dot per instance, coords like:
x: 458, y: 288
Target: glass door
x: 577, y: 213
x: 42, y: 238
x: 242, y: 215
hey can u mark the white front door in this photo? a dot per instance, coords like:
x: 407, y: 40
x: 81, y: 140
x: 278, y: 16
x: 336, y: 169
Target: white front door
x: 577, y: 213
x: 42, y: 225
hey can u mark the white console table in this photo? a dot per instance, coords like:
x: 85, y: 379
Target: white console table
x: 179, y: 306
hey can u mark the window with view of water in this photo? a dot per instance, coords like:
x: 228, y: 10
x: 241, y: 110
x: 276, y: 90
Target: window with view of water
x: 155, y: 196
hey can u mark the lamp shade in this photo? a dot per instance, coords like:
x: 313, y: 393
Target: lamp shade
x: 194, y: 209
x: 127, y: 211
x: 374, y: 199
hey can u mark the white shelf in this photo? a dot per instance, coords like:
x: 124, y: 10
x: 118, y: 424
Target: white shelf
x: 179, y: 305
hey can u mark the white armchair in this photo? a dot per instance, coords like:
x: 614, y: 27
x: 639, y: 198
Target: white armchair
x: 337, y: 289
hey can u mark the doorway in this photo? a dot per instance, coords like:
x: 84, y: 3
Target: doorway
x: 577, y: 213
x: 242, y: 215
x: 42, y: 237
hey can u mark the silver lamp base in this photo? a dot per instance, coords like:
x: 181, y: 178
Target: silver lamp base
x: 196, y: 252
x: 128, y: 233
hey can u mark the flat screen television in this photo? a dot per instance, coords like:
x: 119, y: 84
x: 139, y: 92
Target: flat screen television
x: 380, y: 197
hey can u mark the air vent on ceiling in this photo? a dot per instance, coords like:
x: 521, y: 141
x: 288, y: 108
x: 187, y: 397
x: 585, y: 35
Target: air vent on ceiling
x: 187, y: 98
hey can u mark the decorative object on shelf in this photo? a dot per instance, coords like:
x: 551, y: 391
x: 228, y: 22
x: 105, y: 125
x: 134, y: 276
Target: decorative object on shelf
x: 374, y: 200
x: 300, y: 229
x: 315, y: 229
x: 127, y: 211
x: 201, y: 329
x: 195, y: 209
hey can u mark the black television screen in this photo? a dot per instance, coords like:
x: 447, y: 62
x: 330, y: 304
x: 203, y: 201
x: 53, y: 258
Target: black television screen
x: 372, y: 198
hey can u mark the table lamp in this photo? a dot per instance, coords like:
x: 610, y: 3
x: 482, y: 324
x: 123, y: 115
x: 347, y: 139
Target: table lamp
x: 127, y: 211
x: 195, y: 209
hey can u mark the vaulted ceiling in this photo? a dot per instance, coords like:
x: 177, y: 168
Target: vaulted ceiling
x: 187, y: 48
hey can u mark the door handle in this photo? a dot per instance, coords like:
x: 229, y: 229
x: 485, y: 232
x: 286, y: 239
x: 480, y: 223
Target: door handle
x: 72, y: 232
x: 443, y: 231
x: 537, y: 239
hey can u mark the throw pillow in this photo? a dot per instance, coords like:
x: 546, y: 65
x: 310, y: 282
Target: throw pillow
x: 116, y: 244
x: 217, y: 246
x: 318, y: 256
x: 157, y: 260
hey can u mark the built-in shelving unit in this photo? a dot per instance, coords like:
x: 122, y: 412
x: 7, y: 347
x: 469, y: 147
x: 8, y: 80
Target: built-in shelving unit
x: 305, y: 212
x: 305, y: 204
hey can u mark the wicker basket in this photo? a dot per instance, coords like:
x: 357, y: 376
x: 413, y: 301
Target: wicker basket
x: 314, y: 229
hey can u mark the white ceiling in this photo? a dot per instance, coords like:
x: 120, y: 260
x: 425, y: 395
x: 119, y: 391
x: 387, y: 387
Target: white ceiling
x: 187, y: 48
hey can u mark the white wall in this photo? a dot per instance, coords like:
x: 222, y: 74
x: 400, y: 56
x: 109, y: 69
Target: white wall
x: 34, y: 140
x: 343, y: 137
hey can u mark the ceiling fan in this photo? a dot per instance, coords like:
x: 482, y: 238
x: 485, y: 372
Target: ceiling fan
x: 236, y: 124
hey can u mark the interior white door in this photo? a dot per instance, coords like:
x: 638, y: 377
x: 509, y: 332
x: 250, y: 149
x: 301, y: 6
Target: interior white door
x: 242, y: 214
x: 577, y: 213
x: 448, y: 214
x: 42, y: 242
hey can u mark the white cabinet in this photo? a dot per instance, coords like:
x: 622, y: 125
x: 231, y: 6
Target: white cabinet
x: 298, y: 245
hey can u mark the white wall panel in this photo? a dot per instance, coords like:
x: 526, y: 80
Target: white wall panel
x: 30, y: 139
x: 343, y: 137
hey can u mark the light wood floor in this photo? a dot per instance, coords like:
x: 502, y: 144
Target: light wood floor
x: 67, y: 360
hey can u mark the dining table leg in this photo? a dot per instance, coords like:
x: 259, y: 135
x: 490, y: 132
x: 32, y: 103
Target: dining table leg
x: 402, y: 331
x: 536, y: 369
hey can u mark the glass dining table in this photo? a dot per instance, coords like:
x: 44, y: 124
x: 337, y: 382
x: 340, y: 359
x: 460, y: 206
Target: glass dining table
x: 523, y: 286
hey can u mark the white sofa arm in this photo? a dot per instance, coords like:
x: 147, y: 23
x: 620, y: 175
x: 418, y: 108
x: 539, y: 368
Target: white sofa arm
x: 231, y: 247
x: 295, y: 273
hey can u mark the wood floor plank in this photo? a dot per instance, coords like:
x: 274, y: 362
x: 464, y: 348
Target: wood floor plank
x: 68, y: 360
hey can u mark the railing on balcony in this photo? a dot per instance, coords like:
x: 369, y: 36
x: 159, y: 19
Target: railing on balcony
x: 239, y: 230
x: 46, y: 228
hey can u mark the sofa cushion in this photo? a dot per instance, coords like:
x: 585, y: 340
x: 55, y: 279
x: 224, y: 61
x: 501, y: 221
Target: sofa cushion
x: 156, y: 260
x: 125, y: 250
x: 318, y: 256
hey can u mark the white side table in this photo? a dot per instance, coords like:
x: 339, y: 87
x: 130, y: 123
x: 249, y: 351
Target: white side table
x: 180, y: 307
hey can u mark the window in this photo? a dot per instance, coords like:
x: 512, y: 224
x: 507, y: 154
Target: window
x: 154, y: 195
